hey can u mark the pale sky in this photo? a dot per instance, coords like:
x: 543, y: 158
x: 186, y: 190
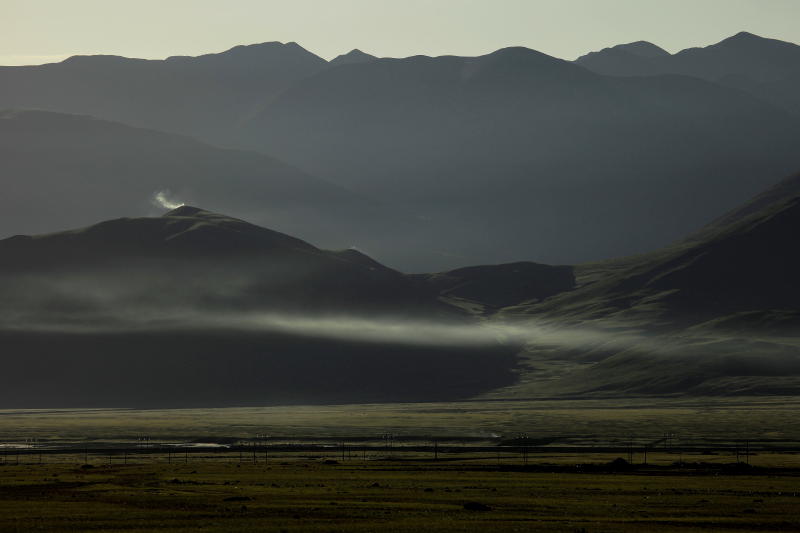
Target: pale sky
x: 40, y: 31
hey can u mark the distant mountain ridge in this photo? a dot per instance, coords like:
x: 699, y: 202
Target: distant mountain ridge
x: 464, y: 160
x: 766, y: 68
x: 204, y: 96
x: 353, y: 56
x: 483, y: 147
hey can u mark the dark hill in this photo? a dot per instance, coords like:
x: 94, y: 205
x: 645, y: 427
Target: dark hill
x: 196, y: 309
x: 184, y: 251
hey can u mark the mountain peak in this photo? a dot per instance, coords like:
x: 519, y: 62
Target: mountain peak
x: 640, y: 49
x: 744, y: 38
x: 256, y: 54
x: 520, y: 56
x: 643, y: 49
x: 742, y: 35
x: 353, y: 56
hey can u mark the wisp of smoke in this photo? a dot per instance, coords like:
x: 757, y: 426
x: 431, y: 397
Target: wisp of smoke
x: 160, y: 200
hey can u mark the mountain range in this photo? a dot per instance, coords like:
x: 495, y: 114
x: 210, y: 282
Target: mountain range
x: 204, y: 96
x: 766, y: 68
x: 463, y: 160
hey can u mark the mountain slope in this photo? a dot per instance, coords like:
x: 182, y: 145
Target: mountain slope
x: 744, y: 262
x: 67, y: 170
x: 766, y: 68
x: 520, y: 155
x: 716, y: 313
x: 202, y: 96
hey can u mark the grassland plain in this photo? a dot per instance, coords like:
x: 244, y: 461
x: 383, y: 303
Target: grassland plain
x: 562, y: 483
x: 765, y: 417
x: 306, y: 494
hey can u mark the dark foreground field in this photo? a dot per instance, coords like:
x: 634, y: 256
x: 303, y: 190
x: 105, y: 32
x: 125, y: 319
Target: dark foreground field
x: 307, y: 494
x: 333, y: 468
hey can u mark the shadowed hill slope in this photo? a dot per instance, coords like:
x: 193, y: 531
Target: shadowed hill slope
x: 716, y: 313
x: 196, y: 309
x: 191, y: 255
x: 743, y: 262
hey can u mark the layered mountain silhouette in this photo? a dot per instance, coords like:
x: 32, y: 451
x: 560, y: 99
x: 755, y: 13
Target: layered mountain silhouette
x: 204, y: 96
x: 69, y: 170
x: 767, y: 68
x: 429, y: 164
x: 512, y: 155
x: 519, y: 154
